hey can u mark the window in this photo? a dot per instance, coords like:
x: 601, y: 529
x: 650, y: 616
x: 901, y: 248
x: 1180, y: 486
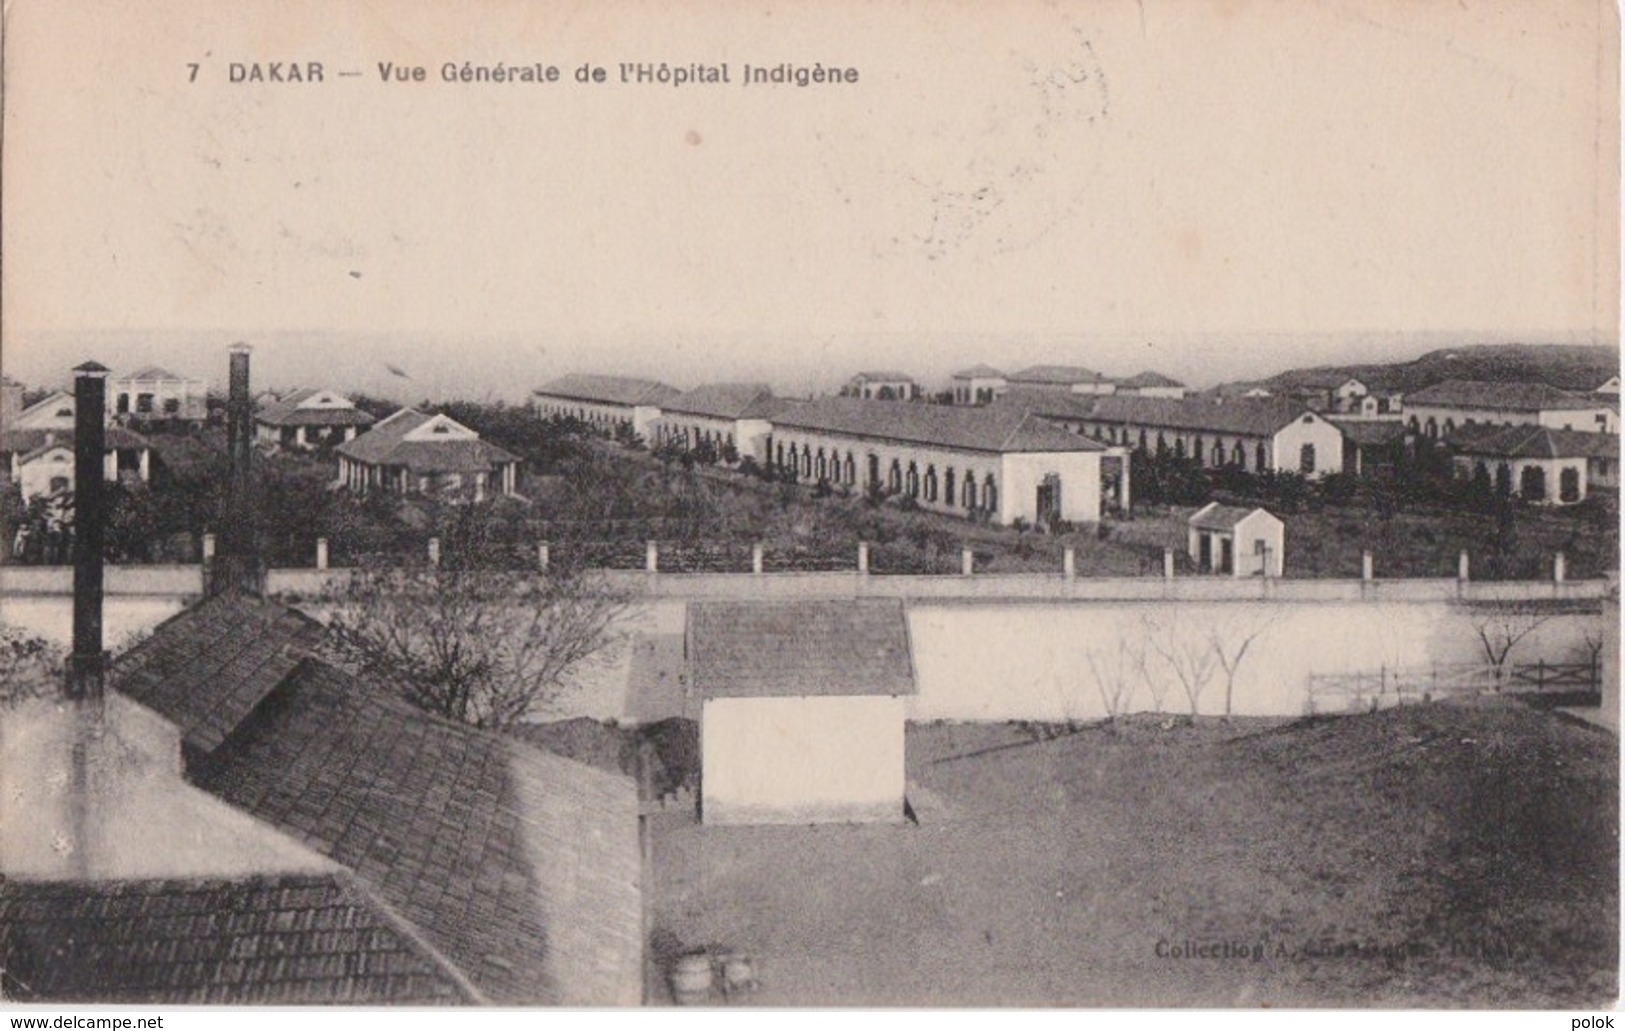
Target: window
x: 1432, y: 427
x: 948, y: 487
x: 441, y: 428
x: 1532, y: 483
x: 1196, y: 450
x: 930, y: 483
x: 851, y: 469
x: 1306, y: 459
x: 1568, y: 485
x: 1260, y: 458
x: 913, y: 481
x: 894, y: 476
x: 822, y: 469
x: 1238, y: 456
x: 970, y: 490
x: 990, y: 494
x: 1179, y: 447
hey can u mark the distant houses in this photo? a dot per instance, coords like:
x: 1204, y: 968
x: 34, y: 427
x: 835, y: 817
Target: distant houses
x: 37, y: 449
x: 730, y: 420
x: 1537, y: 464
x: 154, y: 394
x: 1439, y: 410
x: 882, y: 386
x: 411, y: 452
x: 309, y: 419
x: 607, y: 403
x: 978, y: 385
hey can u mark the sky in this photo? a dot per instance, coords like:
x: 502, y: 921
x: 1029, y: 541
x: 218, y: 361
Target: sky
x: 1217, y: 189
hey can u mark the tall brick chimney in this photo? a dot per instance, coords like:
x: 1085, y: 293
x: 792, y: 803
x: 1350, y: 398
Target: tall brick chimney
x: 237, y: 562
x: 85, y: 664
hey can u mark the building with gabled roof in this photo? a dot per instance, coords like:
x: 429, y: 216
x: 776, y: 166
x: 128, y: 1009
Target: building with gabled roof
x: 519, y: 868
x: 1073, y: 378
x: 608, y: 403
x: 802, y: 709
x: 154, y: 394
x: 1439, y: 410
x: 731, y: 418
x: 1151, y: 384
x: 882, y: 385
x: 992, y: 462
x: 1264, y: 435
x: 309, y: 418
x: 978, y: 385
x: 1227, y: 540
x: 41, y: 461
x: 1536, y: 463
x: 411, y: 452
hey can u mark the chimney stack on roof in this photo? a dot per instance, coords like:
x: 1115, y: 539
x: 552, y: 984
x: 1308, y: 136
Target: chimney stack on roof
x: 237, y: 562
x: 85, y: 664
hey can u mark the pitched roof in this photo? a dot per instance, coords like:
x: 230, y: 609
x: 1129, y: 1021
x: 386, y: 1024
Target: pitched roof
x: 273, y: 940
x: 286, y: 412
x: 520, y: 867
x: 1056, y: 374
x: 154, y: 372
x: 885, y: 376
x: 206, y: 668
x: 979, y: 372
x: 1215, y: 516
x: 1243, y: 416
x: 1005, y: 430
x: 1148, y: 378
x: 787, y: 649
x: 383, y: 445
x: 727, y: 401
x: 1519, y: 397
x: 1370, y: 432
x: 1532, y: 442
x: 26, y: 441
x: 620, y: 390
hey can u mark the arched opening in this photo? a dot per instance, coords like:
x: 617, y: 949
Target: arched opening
x: 1532, y: 483
x: 990, y: 494
x: 1306, y: 459
x: 1568, y: 485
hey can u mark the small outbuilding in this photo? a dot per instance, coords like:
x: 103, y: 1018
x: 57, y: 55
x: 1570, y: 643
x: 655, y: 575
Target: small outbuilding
x: 802, y: 709
x: 1227, y: 540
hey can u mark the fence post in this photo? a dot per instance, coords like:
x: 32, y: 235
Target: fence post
x: 1558, y: 568
x: 1463, y: 567
x: 208, y: 547
x: 543, y: 557
x: 434, y: 551
x: 1069, y: 563
x: 321, y: 553
x: 863, y: 557
x: 1366, y: 569
x: 756, y: 558
x: 967, y: 562
x: 1167, y: 563
x: 651, y: 556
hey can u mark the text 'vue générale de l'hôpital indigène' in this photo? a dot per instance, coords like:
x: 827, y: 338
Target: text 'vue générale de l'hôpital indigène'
x: 463, y: 73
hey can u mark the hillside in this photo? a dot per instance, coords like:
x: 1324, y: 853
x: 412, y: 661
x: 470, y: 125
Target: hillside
x: 1581, y: 367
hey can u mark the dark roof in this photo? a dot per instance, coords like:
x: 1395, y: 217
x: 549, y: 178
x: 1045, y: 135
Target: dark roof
x: 1149, y: 379
x: 27, y: 442
x: 1223, y: 517
x: 979, y: 372
x: 286, y: 412
x: 727, y: 401
x: 1057, y: 375
x: 1244, y: 416
x: 1519, y: 397
x: 520, y: 867
x: 383, y: 445
x: 619, y: 390
x: 278, y: 940
x: 760, y: 650
x: 206, y: 668
x: 1003, y: 430
x: 1370, y: 432
x: 1532, y: 442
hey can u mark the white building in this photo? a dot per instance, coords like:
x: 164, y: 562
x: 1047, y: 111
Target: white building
x: 1265, y: 435
x: 995, y: 462
x: 978, y: 385
x: 414, y: 453
x: 608, y: 403
x: 802, y: 709
x: 308, y: 419
x: 733, y: 418
x: 1535, y: 463
x: 155, y: 394
x: 882, y: 386
x: 37, y: 449
x: 1439, y: 410
x: 1229, y: 541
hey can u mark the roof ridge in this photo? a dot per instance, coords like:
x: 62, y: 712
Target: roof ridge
x: 353, y: 880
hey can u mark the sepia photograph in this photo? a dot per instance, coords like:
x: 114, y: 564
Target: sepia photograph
x: 733, y: 504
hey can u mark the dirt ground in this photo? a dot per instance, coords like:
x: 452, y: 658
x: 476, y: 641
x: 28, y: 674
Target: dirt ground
x: 1436, y: 855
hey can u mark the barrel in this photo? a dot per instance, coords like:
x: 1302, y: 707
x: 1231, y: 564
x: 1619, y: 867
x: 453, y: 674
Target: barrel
x: 691, y: 979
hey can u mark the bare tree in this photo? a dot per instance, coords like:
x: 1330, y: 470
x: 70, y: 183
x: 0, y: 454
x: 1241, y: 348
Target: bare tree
x: 1501, y: 626
x: 1189, y: 655
x: 480, y: 646
x: 1230, y: 641
x: 1115, y: 673
x: 1155, y: 686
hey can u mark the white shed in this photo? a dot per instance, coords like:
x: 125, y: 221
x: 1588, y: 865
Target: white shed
x: 1230, y: 541
x: 802, y: 709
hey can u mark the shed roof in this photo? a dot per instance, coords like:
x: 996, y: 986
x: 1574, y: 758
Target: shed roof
x: 271, y: 940
x: 1518, y: 397
x: 619, y: 390
x: 1215, y: 516
x: 793, y: 649
x: 997, y: 429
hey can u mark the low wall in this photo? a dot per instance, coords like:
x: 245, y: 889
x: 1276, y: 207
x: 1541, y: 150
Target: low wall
x: 150, y: 581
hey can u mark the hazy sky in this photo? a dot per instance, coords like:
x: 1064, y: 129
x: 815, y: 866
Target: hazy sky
x: 1215, y: 189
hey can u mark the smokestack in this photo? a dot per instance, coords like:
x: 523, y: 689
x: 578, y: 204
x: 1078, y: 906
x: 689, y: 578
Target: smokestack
x: 85, y: 665
x: 237, y: 565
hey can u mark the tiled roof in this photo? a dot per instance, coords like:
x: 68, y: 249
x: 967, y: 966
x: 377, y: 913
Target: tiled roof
x: 979, y: 372
x: 1258, y: 417
x: 1518, y: 397
x: 286, y: 412
x: 1370, y: 432
x: 1222, y: 517
x: 1004, y: 430
x: 759, y: 650
x: 27, y: 442
x: 1149, y: 378
x: 727, y: 401
x: 383, y: 445
x: 281, y: 940
x: 1057, y: 375
x: 520, y: 867
x: 620, y: 390
x: 1532, y: 442
x: 206, y: 668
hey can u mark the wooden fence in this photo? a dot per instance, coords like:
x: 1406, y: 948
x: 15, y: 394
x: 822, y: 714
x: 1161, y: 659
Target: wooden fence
x: 1367, y: 692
